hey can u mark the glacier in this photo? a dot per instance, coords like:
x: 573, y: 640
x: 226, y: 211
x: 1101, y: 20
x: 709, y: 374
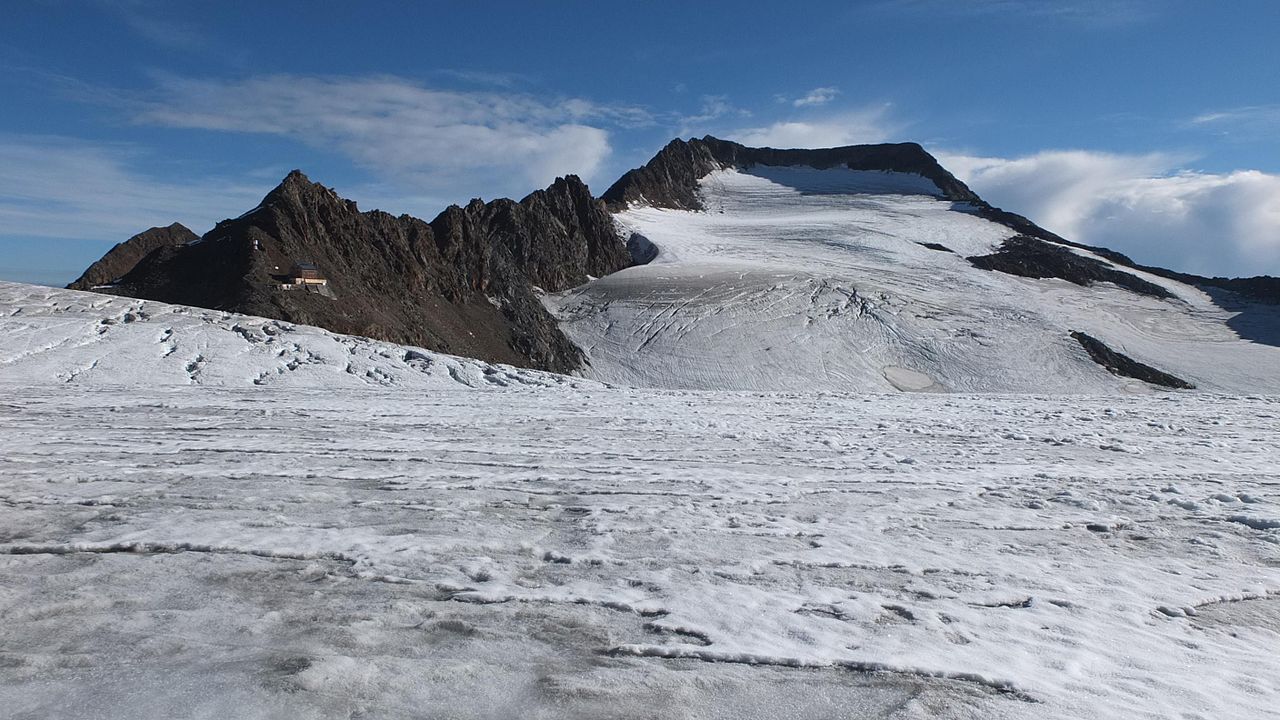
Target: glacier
x: 212, y: 515
x: 800, y: 279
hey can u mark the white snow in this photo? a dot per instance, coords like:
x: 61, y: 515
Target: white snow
x: 796, y: 279
x: 379, y: 531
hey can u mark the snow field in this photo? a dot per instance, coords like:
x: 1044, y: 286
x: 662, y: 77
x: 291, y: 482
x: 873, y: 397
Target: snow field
x: 612, y: 552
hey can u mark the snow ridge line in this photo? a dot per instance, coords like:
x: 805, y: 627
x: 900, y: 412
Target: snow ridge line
x: 1194, y: 609
x: 1239, y: 597
x: 478, y: 598
x: 143, y: 547
x: 1256, y: 523
x: 705, y: 655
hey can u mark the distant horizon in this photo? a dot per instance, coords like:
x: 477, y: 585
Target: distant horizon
x: 1145, y: 126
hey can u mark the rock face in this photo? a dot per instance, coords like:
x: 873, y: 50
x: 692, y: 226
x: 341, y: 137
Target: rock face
x: 122, y: 258
x: 465, y: 283
x: 670, y: 179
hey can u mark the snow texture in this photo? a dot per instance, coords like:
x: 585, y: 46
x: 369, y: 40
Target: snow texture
x: 208, y: 515
x: 797, y: 279
x: 61, y: 336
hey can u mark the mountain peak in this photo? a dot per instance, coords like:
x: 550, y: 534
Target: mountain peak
x: 297, y: 188
x: 670, y: 179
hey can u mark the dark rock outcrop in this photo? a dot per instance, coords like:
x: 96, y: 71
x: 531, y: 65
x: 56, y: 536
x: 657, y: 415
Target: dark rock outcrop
x: 122, y: 258
x: 1259, y: 288
x: 670, y: 179
x: 642, y: 249
x: 936, y: 246
x: 465, y: 283
x: 1034, y: 258
x: 1125, y: 366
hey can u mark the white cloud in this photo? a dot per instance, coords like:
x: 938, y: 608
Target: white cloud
x: 55, y: 187
x: 1142, y: 205
x: 817, y: 96
x: 1260, y: 121
x: 473, y: 143
x: 858, y: 126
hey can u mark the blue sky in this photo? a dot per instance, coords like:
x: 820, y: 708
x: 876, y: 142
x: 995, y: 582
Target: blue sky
x: 1149, y: 126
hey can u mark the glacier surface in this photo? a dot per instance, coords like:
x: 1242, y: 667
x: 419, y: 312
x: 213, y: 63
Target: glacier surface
x: 797, y: 279
x: 210, y: 515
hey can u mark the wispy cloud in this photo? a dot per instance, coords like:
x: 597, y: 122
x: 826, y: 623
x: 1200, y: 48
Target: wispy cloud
x: 1090, y: 12
x: 1145, y: 205
x: 864, y: 125
x: 1248, y: 122
x: 486, y: 77
x: 428, y: 139
x: 56, y: 187
x: 713, y: 108
x: 165, y: 26
x: 170, y: 30
x: 816, y: 96
x: 165, y: 32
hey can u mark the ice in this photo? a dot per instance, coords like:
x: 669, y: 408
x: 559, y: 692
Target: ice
x: 413, y: 539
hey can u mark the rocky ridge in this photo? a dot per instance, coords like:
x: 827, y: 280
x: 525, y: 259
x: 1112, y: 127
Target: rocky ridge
x: 670, y: 179
x: 465, y: 283
x: 122, y: 258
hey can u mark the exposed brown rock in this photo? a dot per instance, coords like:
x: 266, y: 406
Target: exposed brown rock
x: 463, y: 283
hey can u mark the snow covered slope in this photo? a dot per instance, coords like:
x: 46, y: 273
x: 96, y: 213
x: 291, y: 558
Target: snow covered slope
x: 86, y: 338
x: 258, y: 552
x: 796, y: 278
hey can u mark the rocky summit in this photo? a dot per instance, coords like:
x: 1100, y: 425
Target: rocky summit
x: 670, y: 179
